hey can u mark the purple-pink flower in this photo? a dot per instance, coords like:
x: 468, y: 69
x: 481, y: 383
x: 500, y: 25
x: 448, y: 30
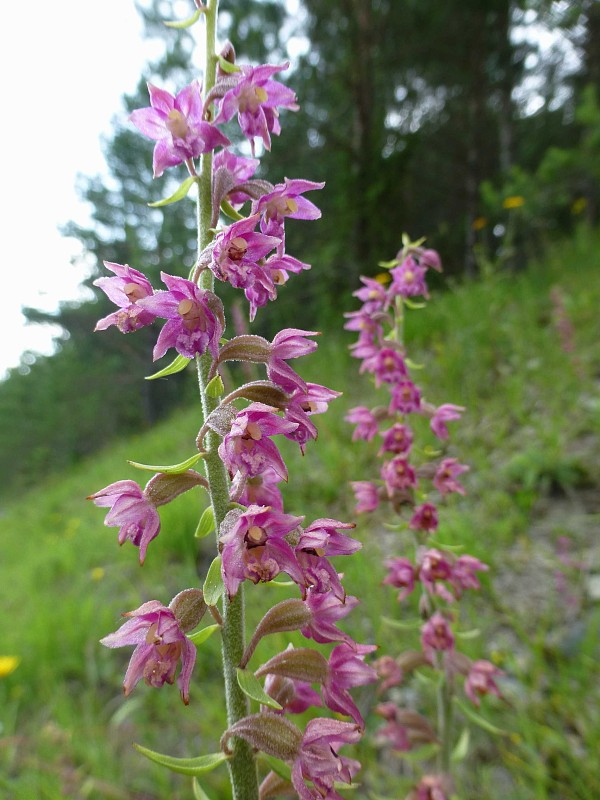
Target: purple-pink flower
x: 445, y: 478
x: 256, y: 98
x: 289, y: 343
x: 131, y: 511
x: 436, y: 635
x: 366, y: 494
x: 176, y: 124
x: 240, y: 169
x: 347, y: 669
x: 442, y: 415
x: 285, y: 200
x: 237, y: 251
x: 195, y: 319
x: 481, y: 680
x: 124, y: 291
x: 160, y: 645
x: 318, y: 760
x: 248, y: 449
x: 327, y: 609
x: 408, y: 279
x: 253, y: 547
x: 401, y: 575
x: 366, y: 423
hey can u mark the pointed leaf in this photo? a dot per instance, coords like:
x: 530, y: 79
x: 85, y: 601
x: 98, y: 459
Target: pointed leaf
x: 278, y: 766
x: 461, y: 748
x: 185, y: 766
x: 388, y: 264
x: 201, y: 636
x: 178, y: 194
x: 177, y: 365
x: 230, y: 211
x: 186, y: 23
x: 471, y: 634
x: 412, y: 365
x: 171, y: 469
x: 252, y: 687
x: 213, y: 583
x: 407, y: 625
x: 206, y: 523
x: 227, y: 66
x: 412, y: 304
x: 199, y: 793
x: 215, y: 388
x: 478, y: 719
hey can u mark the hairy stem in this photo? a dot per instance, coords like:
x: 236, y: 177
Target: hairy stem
x: 242, y: 765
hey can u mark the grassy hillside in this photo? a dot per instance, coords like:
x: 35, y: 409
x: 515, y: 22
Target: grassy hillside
x: 520, y: 351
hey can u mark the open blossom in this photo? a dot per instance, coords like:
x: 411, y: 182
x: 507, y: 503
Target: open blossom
x: 442, y: 415
x: 424, y: 518
x: 240, y: 169
x: 256, y: 98
x: 326, y: 610
x: 131, y: 511
x: 373, y: 295
x: 238, y: 250
x: 366, y: 494
x: 160, y: 645
x: 366, y: 423
x: 195, y: 319
x: 289, y: 343
x: 285, y: 200
x: 480, y: 680
x: 301, y: 405
x: 401, y: 575
x: 445, y: 479
x: 387, y: 366
x: 408, y: 279
x: 406, y: 398
x: 397, y: 473
x: 176, y: 124
x: 318, y: 760
x: 436, y: 634
x: 398, y: 439
x: 464, y: 572
x: 347, y: 669
x: 248, y: 449
x: 259, y: 490
x: 434, y: 568
x: 124, y: 290
x: 254, y: 547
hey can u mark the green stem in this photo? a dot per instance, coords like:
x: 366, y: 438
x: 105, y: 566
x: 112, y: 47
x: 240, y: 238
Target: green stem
x: 242, y: 764
x: 445, y: 709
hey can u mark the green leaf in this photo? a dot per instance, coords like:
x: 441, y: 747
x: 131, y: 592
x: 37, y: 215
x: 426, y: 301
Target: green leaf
x: 227, y: 66
x: 171, y: 469
x: 388, y: 264
x: 215, y: 388
x: 472, y: 634
x: 408, y: 625
x: 412, y: 365
x: 213, y: 583
x: 230, y: 211
x: 206, y: 523
x: 186, y: 23
x: 185, y: 766
x: 178, y: 194
x: 199, y: 793
x: 411, y: 304
x: 462, y: 747
x: 252, y: 687
x: 479, y: 720
x: 278, y: 766
x: 178, y: 364
x: 201, y: 636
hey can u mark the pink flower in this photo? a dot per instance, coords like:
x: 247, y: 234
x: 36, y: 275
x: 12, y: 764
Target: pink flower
x: 366, y: 423
x: 481, y: 681
x: 442, y: 415
x: 393, y: 733
x: 401, y: 575
x: 445, y: 477
x: 387, y: 366
x: 259, y: 490
x: 289, y: 343
x: 408, y: 279
x: 301, y: 405
x: 398, y: 439
x: 318, y: 760
x: 434, y: 568
x: 464, y: 573
x: 436, y: 634
x: 253, y: 547
x: 160, y: 645
x: 398, y: 474
x: 131, y: 511
x: 247, y: 447
x: 347, y: 669
x: 285, y: 200
x: 373, y: 295
x: 366, y: 494
x: 237, y: 252
x: 177, y: 126
x: 124, y: 291
x: 431, y: 787
x: 195, y: 319
x: 239, y: 168
x: 425, y: 518
x: 256, y: 99
x: 406, y: 398
x: 326, y: 610
x: 389, y: 672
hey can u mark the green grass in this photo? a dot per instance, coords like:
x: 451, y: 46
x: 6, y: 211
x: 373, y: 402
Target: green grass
x: 530, y: 434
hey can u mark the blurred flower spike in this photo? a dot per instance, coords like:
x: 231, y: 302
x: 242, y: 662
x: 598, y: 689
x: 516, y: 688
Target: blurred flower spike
x: 8, y: 664
x: 514, y: 201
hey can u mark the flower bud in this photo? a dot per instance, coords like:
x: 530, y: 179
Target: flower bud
x: 297, y: 663
x: 163, y: 487
x: 189, y: 608
x: 274, y: 785
x: 247, y: 347
x: 270, y: 733
x: 288, y: 615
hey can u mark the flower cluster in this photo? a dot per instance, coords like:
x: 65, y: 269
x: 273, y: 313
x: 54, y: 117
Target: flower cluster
x: 416, y: 478
x: 257, y: 539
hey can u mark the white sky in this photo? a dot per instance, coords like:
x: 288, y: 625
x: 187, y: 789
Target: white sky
x: 65, y: 66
